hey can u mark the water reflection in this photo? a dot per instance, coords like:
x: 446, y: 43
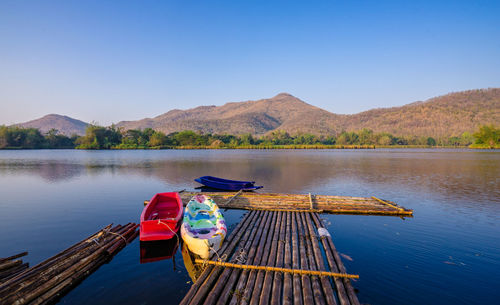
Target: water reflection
x: 464, y: 175
x: 194, y: 270
x: 452, y: 241
x: 153, y: 251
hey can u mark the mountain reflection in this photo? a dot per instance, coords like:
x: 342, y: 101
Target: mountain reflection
x: 461, y: 174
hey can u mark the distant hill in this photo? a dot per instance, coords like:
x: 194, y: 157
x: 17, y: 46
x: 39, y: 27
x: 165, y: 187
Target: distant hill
x: 448, y: 115
x: 283, y: 111
x: 444, y: 116
x: 64, y: 124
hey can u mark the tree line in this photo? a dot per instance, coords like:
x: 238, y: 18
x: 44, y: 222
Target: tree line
x: 99, y: 137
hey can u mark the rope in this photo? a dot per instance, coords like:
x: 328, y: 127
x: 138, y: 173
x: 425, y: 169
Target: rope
x: 387, y: 203
x: 232, y: 198
x: 118, y: 235
x: 241, y: 257
x: 96, y: 241
x: 287, y: 270
x: 176, y: 236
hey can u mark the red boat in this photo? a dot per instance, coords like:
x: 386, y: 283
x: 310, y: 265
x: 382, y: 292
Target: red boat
x: 161, y: 218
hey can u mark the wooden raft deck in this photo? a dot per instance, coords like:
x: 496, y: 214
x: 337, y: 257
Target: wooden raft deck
x: 318, y: 203
x: 276, y: 239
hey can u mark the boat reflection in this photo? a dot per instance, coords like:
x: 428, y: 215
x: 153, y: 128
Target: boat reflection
x: 153, y: 251
x: 210, y: 189
x: 194, y: 270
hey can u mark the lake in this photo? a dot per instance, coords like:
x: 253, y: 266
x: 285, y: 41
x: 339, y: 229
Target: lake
x: 448, y: 253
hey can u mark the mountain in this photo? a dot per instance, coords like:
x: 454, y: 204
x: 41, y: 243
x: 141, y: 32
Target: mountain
x: 64, y: 124
x: 283, y: 111
x: 444, y: 116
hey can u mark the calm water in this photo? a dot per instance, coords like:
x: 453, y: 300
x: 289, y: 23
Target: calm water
x: 449, y: 253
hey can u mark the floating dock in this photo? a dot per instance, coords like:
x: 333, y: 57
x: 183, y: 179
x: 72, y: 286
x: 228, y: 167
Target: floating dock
x: 309, y: 202
x: 48, y: 281
x: 296, y: 243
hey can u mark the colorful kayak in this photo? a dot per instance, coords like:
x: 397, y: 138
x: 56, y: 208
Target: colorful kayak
x: 203, y: 228
x: 226, y: 184
x: 161, y: 218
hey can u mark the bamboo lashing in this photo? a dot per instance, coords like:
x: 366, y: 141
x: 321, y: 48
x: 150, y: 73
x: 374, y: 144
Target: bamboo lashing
x: 276, y: 269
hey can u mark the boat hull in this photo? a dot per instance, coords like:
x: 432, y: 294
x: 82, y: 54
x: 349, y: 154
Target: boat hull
x: 161, y: 218
x: 203, y: 228
x: 228, y: 185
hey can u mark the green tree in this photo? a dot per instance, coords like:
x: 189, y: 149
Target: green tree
x: 348, y: 138
x: 247, y: 139
x: 488, y: 135
x: 158, y: 139
x: 98, y: 137
x: 466, y: 139
x: 366, y: 137
x: 186, y: 138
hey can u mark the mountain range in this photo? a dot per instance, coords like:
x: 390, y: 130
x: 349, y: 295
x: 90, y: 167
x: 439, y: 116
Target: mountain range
x: 443, y: 116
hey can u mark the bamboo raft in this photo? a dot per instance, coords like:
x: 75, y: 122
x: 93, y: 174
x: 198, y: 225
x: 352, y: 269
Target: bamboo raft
x: 48, y: 281
x: 277, y: 240
x: 310, y: 203
x: 12, y: 266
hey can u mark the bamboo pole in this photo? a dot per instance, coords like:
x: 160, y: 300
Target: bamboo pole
x: 387, y: 203
x: 242, y: 292
x: 271, y: 261
x: 318, y: 258
x: 347, y: 283
x: 10, y: 273
x: 209, y: 282
x: 235, y: 195
x: 65, y: 286
x: 330, y: 204
x: 339, y: 284
x: 27, y: 280
x: 238, y: 278
x: 278, y: 276
x: 33, y: 270
x: 226, y: 279
x: 226, y: 247
x: 13, y: 257
x: 306, y: 281
x: 287, y: 283
x: 297, y: 288
x: 10, y: 264
x: 31, y: 291
x: 254, y: 288
x: 316, y: 285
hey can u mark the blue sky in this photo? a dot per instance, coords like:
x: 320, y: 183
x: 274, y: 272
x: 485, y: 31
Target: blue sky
x: 107, y: 61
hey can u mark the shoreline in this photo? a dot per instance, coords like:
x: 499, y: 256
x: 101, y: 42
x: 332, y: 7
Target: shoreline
x: 273, y: 147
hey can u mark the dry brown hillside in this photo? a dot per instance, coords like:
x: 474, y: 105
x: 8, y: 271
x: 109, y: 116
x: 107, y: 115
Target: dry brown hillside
x: 64, y: 124
x: 447, y: 115
x: 444, y: 116
x: 256, y: 117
